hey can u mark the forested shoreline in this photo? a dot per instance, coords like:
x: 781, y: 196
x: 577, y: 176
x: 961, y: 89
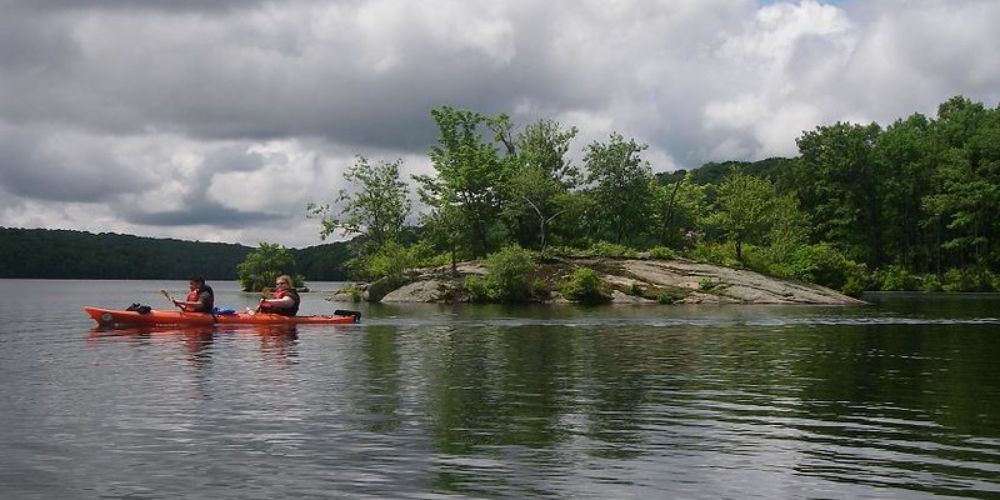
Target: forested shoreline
x: 66, y: 254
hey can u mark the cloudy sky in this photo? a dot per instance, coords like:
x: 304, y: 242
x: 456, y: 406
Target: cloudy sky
x: 219, y: 120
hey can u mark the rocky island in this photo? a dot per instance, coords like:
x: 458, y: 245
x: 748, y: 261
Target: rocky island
x: 623, y: 281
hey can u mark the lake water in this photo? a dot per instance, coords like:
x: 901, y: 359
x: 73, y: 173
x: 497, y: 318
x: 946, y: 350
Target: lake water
x: 896, y: 400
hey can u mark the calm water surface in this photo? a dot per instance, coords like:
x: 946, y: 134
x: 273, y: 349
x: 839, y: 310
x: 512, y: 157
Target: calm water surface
x: 896, y: 400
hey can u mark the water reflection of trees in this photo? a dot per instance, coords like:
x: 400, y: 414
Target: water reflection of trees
x: 878, y: 391
x: 380, y: 398
x: 539, y: 386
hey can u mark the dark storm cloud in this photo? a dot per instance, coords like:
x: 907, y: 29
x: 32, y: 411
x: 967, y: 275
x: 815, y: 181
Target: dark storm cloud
x: 206, y: 213
x: 222, y: 78
x: 69, y: 168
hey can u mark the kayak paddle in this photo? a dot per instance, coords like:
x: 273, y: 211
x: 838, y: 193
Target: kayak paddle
x: 171, y: 299
x: 265, y: 292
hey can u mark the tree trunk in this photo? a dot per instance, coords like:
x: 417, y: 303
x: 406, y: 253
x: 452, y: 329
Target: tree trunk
x: 668, y: 217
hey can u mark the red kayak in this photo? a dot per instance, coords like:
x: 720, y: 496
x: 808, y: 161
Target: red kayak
x: 110, y: 317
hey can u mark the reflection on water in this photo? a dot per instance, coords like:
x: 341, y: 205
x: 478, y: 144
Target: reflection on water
x: 895, y: 400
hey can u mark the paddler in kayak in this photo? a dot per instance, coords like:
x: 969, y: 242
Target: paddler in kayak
x: 284, y: 300
x: 200, y: 299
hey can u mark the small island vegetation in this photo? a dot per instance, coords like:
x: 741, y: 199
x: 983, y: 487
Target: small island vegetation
x: 909, y: 206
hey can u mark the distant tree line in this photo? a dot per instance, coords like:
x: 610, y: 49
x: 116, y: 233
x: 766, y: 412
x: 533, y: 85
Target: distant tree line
x: 57, y: 254
x: 908, y: 206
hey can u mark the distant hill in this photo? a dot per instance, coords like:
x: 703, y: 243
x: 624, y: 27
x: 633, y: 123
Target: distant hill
x: 53, y: 254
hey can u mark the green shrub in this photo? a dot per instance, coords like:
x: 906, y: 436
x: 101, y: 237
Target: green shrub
x: 476, y: 287
x: 894, y: 278
x: 585, y: 286
x: 635, y: 290
x: 612, y: 250
x: 663, y: 253
x: 716, y: 253
x: 564, y: 251
x: 854, y: 285
x: 706, y: 284
x: 261, y: 266
x: 393, y: 259
x: 355, y: 293
x: 969, y: 280
x: 931, y: 283
x: 825, y: 265
x: 507, y: 273
x: 665, y: 298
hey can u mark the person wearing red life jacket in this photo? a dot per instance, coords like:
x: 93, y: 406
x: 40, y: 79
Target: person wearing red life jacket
x: 285, y: 300
x: 200, y: 299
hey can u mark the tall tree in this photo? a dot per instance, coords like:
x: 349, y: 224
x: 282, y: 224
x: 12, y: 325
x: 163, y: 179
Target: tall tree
x: 678, y: 207
x: 541, y: 176
x: 905, y: 158
x: 619, y: 183
x: 470, y: 171
x: 377, y: 208
x: 969, y: 176
x: 840, y: 185
x: 744, y: 209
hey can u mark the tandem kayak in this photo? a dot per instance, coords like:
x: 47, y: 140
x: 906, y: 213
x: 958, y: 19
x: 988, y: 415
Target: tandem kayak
x: 110, y: 317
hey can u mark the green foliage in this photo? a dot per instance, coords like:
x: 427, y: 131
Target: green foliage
x: 393, y: 259
x: 894, y: 278
x: 662, y: 253
x: 619, y: 181
x: 540, y: 181
x: 610, y: 250
x: 377, y: 209
x: 356, y: 294
x: 327, y: 262
x: 566, y: 251
x: 507, y: 277
x: 48, y: 254
x: 840, y: 187
x: 970, y: 280
x: 969, y: 175
x: 715, y: 253
x: 706, y: 284
x: 478, y: 291
x: 666, y: 298
x: 263, y: 265
x: 465, y: 195
x: 45, y: 253
x: 931, y: 283
x: 679, y: 208
x: 585, y: 286
x: 823, y: 264
x: 540, y: 289
x: 744, y: 209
